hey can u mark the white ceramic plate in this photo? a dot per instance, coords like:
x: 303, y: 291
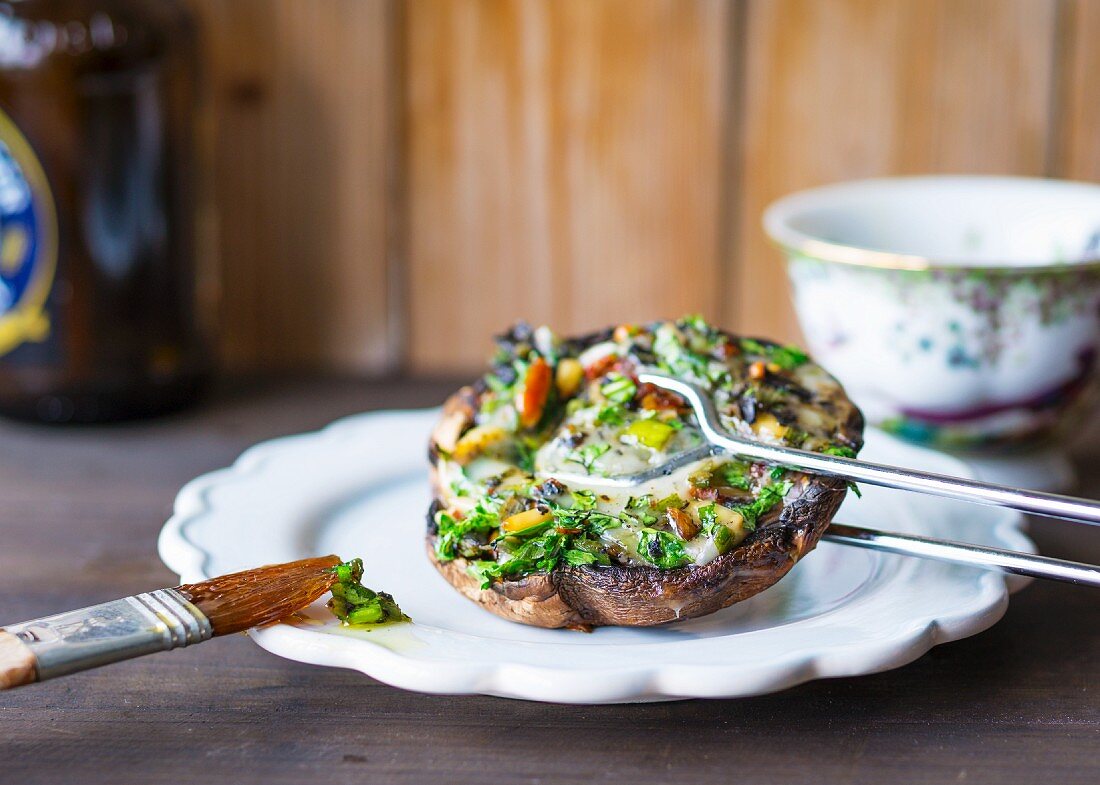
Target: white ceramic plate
x: 359, y: 488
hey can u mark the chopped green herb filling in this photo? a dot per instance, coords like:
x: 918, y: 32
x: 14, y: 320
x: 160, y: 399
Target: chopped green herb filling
x: 786, y: 357
x: 588, y: 455
x: 662, y: 549
x: 559, y: 404
x: 770, y: 495
x: 619, y: 389
x: 354, y: 604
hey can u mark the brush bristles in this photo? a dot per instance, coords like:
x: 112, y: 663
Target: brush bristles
x: 248, y: 599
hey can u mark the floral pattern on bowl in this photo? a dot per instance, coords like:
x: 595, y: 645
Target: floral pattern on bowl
x: 974, y: 352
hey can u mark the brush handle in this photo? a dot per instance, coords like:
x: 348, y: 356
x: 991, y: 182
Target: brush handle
x: 78, y: 640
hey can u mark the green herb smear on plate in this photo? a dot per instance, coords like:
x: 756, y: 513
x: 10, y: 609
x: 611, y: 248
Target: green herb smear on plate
x: 356, y: 605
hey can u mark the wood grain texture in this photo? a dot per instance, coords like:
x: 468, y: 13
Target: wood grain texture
x: 1078, y: 109
x: 302, y: 95
x: 845, y: 89
x: 1014, y: 705
x: 563, y: 166
x: 397, y: 181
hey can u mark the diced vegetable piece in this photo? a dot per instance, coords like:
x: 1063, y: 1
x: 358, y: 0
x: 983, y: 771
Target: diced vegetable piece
x: 619, y: 388
x: 703, y: 478
x: 724, y: 526
x: 656, y: 399
x: 709, y: 512
x: 623, y: 332
x: 662, y: 549
x: 448, y: 431
x: 476, y: 441
x: 731, y: 519
x: 651, y: 433
x: 531, y: 399
x: 766, y: 425
x: 723, y: 539
x: 569, y: 375
x: 672, y: 500
x: 526, y: 520
x: 596, y: 366
x: 683, y: 524
x: 611, y: 414
x: 367, y: 614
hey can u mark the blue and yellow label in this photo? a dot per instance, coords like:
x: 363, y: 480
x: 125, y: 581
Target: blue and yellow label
x: 28, y: 241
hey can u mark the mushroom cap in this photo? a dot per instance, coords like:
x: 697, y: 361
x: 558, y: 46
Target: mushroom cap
x: 588, y: 596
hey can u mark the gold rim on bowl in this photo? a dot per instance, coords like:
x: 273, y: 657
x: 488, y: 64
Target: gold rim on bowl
x: 795, y: 242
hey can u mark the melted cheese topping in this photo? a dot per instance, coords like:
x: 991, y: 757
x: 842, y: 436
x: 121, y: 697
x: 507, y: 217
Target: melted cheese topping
x: 610, y: 426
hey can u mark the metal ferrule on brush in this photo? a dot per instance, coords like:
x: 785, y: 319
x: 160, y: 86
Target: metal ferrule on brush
x: 143, y: 624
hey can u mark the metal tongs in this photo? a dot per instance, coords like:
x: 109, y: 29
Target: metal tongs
x: 1039, y: 503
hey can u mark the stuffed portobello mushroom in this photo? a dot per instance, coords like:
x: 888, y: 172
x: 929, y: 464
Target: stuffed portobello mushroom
x: 526, y: 546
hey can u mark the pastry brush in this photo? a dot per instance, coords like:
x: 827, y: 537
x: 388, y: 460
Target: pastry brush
x: 160, y: 620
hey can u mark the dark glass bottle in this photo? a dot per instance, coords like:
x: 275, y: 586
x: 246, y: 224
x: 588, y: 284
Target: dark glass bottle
x: 99, y: 316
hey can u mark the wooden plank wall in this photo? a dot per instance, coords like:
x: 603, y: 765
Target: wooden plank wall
x: 304, y: 153
x: 397, y: 181
x: 561, y: 166
x: 839, y: 90
x: 1078, y: 121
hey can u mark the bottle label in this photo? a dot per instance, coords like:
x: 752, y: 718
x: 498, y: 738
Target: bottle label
x: 28, y: 241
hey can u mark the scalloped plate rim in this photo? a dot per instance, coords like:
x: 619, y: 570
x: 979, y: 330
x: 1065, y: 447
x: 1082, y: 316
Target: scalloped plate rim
x: 591, y: 685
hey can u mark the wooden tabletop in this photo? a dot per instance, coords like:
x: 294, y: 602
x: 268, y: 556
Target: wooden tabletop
x: 80, y: 510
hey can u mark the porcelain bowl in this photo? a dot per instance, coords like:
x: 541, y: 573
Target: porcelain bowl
x: 957, y: 310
